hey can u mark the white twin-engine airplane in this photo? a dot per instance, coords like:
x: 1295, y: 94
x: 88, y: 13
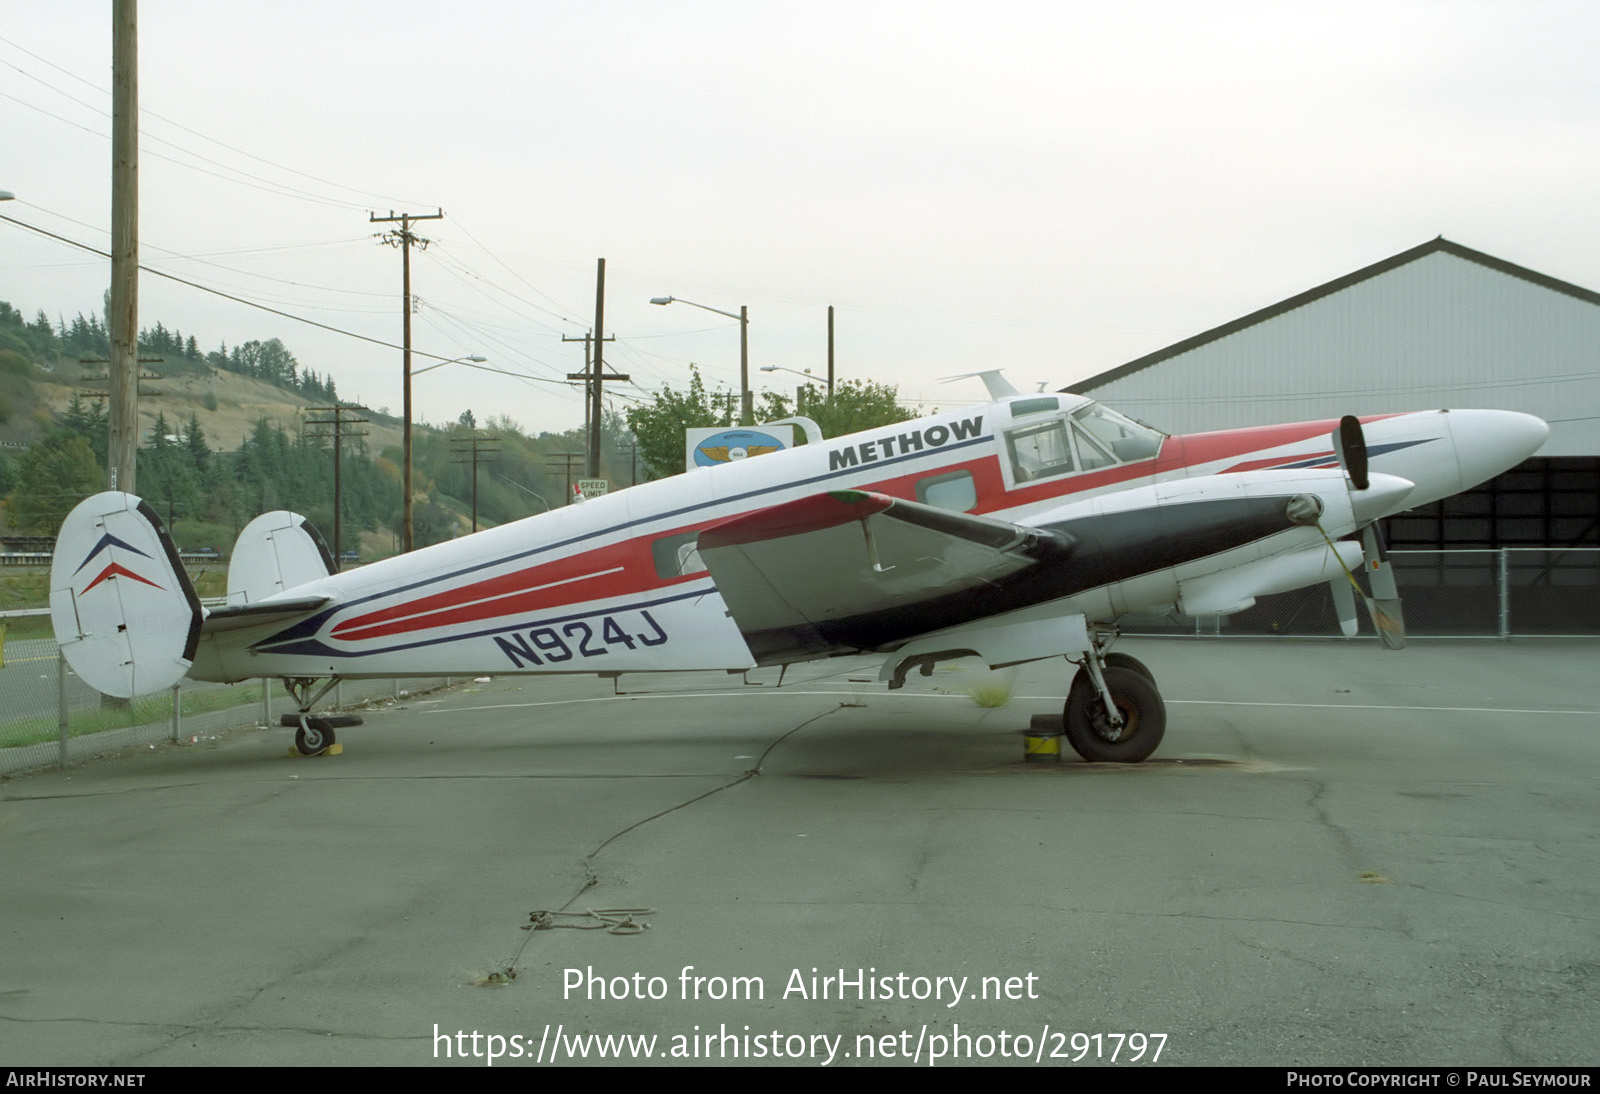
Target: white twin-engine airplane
x: 1012, y: 532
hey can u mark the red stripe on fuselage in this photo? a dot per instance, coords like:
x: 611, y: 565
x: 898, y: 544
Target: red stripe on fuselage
x: 1204, y: 448
x: 622, y: 569
x: 617, y: 569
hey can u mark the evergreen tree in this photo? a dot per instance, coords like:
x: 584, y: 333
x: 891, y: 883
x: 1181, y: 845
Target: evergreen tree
x: 91, y: 421
x: 56, y: 474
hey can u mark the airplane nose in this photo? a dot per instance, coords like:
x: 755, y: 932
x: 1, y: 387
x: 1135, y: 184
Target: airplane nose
x: 1488, y: 442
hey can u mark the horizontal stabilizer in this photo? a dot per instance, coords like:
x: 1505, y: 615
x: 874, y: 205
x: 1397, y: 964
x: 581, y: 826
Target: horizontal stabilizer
x: 125, y: 615
x: 270, y: 613
x: 276, y: 552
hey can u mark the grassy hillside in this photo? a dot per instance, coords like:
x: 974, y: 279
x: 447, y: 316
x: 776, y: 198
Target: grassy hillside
x: 45, y: 367
x: 239, y: 402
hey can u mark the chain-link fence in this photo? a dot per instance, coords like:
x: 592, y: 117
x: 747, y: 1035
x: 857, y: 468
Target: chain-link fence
x: 49, y: 716
x: 1513, y: 592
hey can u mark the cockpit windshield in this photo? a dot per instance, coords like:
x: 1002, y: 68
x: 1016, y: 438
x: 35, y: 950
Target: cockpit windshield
x: 1085, y: 439
x: 1126, y: 439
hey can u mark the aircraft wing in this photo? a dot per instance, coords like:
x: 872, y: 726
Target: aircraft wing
x: 801, y: 578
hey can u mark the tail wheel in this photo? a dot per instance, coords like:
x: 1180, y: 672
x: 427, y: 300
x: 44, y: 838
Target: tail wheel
x: 1089, y: 729
x: 313, y: 736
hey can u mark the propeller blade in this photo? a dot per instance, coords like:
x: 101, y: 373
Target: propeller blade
x: 1350, y: 443
x: 1384, y: 605
x: 1344, y: 605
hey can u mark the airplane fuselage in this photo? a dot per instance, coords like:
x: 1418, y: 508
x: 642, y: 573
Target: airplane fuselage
x: 616, y: 584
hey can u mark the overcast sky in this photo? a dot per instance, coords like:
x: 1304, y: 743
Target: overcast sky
x: 1052, y: 188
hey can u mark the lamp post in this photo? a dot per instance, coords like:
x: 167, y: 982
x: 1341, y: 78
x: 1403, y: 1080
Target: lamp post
x: 745, y: 412
x: 405, y: 486
x: 797, y: 372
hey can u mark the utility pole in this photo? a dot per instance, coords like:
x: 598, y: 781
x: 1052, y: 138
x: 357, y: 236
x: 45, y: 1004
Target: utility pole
x: 830, y: 352
x: 403, y: 237
x: 594, y: 394
x: 470, y: 447
x: 747, y: 414
x: 95, y: 380
x: 567, y: 458
x: 122, y: 453
x: 338, y: 421
x: 596, y: 375
x: 587, y: 376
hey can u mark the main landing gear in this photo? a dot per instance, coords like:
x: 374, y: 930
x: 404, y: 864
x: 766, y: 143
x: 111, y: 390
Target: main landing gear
x: 313, y: 736
x: 1114, y: 714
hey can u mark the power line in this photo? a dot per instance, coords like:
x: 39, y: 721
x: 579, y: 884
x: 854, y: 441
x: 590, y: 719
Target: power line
x: 186, y: 129
x: 218, y: 292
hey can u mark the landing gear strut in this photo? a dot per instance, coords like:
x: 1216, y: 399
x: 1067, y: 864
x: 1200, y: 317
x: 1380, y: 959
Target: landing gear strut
x: 313, y: 736
x: 1114, y: 714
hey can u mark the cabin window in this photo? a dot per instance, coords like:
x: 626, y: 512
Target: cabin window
x: 677, y: 555
x: 955, y: 491
x: 1039, y: 451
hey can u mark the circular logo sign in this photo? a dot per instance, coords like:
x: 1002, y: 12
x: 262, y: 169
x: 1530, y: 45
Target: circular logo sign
x: 734, y: 444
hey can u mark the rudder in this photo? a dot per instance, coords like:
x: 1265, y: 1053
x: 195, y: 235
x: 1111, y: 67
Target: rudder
x: 276, y: 552
x: 124, y: 612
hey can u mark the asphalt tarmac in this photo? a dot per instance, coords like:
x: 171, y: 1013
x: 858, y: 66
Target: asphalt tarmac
x: 1339, y: 856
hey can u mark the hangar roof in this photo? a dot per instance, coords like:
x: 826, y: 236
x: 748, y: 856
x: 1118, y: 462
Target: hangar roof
x: 1338, y: 284
x: 1440, y: 325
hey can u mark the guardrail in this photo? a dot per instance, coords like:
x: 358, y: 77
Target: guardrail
x: 42, y: 558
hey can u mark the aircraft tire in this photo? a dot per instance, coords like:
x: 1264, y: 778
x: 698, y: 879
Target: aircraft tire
x: 1127, y: 661
x: 1143, y: 712
x: 314, y: 735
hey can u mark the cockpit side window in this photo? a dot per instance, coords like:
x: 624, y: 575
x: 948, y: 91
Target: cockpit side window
x: 1090, y: 454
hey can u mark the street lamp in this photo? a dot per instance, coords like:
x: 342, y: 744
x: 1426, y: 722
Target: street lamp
x: 745, y: 411
x: 405, y: 486
x: 797, y: 372
x: 7, y: 195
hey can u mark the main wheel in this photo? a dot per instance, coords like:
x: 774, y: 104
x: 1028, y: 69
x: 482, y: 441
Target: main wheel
x: 1089, y: 730
x: 313, y: 736
x: 1128, y: 661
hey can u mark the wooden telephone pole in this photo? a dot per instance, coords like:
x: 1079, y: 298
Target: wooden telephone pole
x: 475, y: 448
x: 589, y: 400
x: 122, y: 453
x: 403, y: 237
x: 339, y: 422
